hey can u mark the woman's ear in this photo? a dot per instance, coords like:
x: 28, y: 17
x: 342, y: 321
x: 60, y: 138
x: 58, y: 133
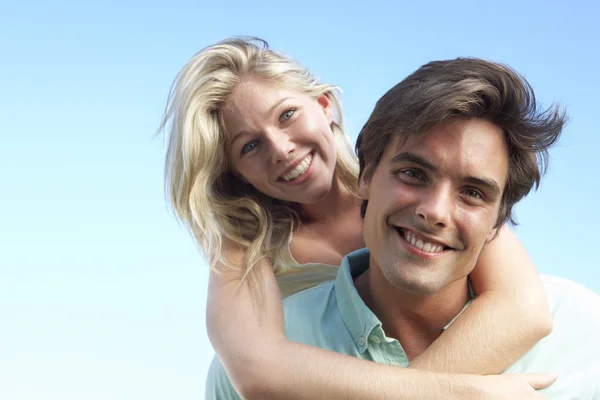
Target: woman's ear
x: 238, y: 176
x: 241, y: 178
x: 325, y: 101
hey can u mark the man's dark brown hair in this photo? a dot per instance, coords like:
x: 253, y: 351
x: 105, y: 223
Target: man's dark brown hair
x: 467, y: 88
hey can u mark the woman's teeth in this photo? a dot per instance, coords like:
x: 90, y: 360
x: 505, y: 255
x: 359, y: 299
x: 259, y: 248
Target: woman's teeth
x: 299, y: 170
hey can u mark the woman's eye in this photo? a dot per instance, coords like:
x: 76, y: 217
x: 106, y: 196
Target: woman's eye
x: 286, y: 115
x: 248, y: 147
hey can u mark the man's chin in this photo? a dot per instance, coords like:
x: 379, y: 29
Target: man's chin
x: 420, y: 288
x: 419, y: 284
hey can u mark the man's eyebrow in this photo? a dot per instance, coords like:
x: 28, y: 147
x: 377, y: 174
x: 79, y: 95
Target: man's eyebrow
x: 414, y: 158
x: 273, y: 107
x: 489, y: 184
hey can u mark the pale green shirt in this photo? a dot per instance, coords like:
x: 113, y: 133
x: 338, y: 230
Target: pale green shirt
x: 333, y: 316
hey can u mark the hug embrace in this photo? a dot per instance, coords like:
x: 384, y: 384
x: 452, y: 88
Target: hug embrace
x: 398, y: 274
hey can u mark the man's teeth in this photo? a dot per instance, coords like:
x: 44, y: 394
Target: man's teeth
x: 420, y: 244
x: 299, y: 170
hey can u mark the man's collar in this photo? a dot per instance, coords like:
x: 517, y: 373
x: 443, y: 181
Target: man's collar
x: 359, y: 319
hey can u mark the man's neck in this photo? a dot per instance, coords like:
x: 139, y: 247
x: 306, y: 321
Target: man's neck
x: 415, y: 320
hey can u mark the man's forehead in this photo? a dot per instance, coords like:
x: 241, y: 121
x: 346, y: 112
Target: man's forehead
x: 471, y: 147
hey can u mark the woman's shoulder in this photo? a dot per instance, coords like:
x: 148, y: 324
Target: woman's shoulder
x: 293, y: 276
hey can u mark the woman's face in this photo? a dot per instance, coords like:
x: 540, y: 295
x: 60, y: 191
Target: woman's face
x: 280, y: 141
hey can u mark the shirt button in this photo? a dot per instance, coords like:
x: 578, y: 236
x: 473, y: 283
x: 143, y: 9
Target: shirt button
x: 361, y: 341
x: 394, y: 364
x: 375, y: 339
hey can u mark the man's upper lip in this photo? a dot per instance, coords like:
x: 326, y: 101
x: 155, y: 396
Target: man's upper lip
x: 293, y: 165
x: 426, y: 238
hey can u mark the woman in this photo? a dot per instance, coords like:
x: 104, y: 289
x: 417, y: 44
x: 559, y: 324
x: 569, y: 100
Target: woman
x: 259, y: 168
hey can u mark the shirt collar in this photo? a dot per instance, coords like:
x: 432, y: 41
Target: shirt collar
x: 357, y: 317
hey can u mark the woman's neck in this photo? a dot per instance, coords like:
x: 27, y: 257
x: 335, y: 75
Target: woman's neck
x: 339, y: 200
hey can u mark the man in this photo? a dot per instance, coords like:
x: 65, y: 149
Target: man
x: 444, y: 157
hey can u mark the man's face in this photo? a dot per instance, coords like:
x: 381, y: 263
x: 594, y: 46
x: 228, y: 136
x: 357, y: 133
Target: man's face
x: 433, y: 204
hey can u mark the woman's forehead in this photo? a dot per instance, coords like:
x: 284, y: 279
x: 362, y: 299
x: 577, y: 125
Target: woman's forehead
x: 254, y: 102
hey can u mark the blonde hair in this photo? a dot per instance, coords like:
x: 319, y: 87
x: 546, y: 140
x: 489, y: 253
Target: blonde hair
x: 207, y: 198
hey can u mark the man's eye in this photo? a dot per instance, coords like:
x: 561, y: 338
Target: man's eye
x: 474, y: 193
x: 411, y: 173
x: 248, y: 147
x: 286, y: 115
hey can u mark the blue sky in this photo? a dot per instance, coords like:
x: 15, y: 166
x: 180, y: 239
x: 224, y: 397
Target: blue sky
x: 102, y: 294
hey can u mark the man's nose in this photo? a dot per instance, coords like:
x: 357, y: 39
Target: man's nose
x: 435, y: 206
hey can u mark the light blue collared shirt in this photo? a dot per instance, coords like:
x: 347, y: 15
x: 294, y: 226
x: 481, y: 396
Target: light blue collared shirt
x: 333, y: 316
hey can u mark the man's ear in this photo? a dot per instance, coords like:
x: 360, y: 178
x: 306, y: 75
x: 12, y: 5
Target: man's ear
x: 363, y: 187
x: 325, y: 101
x: 492, y: 234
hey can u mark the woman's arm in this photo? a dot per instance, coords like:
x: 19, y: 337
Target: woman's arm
x: 509, y: 315
x: 263, y: 364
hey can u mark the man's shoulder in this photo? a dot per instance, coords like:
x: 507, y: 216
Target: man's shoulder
x: 218, y: 385
x: 563, y: 283
x: 314, y: 317
x: 564, y: 293
x: 313, y: 294
x: 575, y: 311
x: 309, y: 306
x: 572, y: 349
